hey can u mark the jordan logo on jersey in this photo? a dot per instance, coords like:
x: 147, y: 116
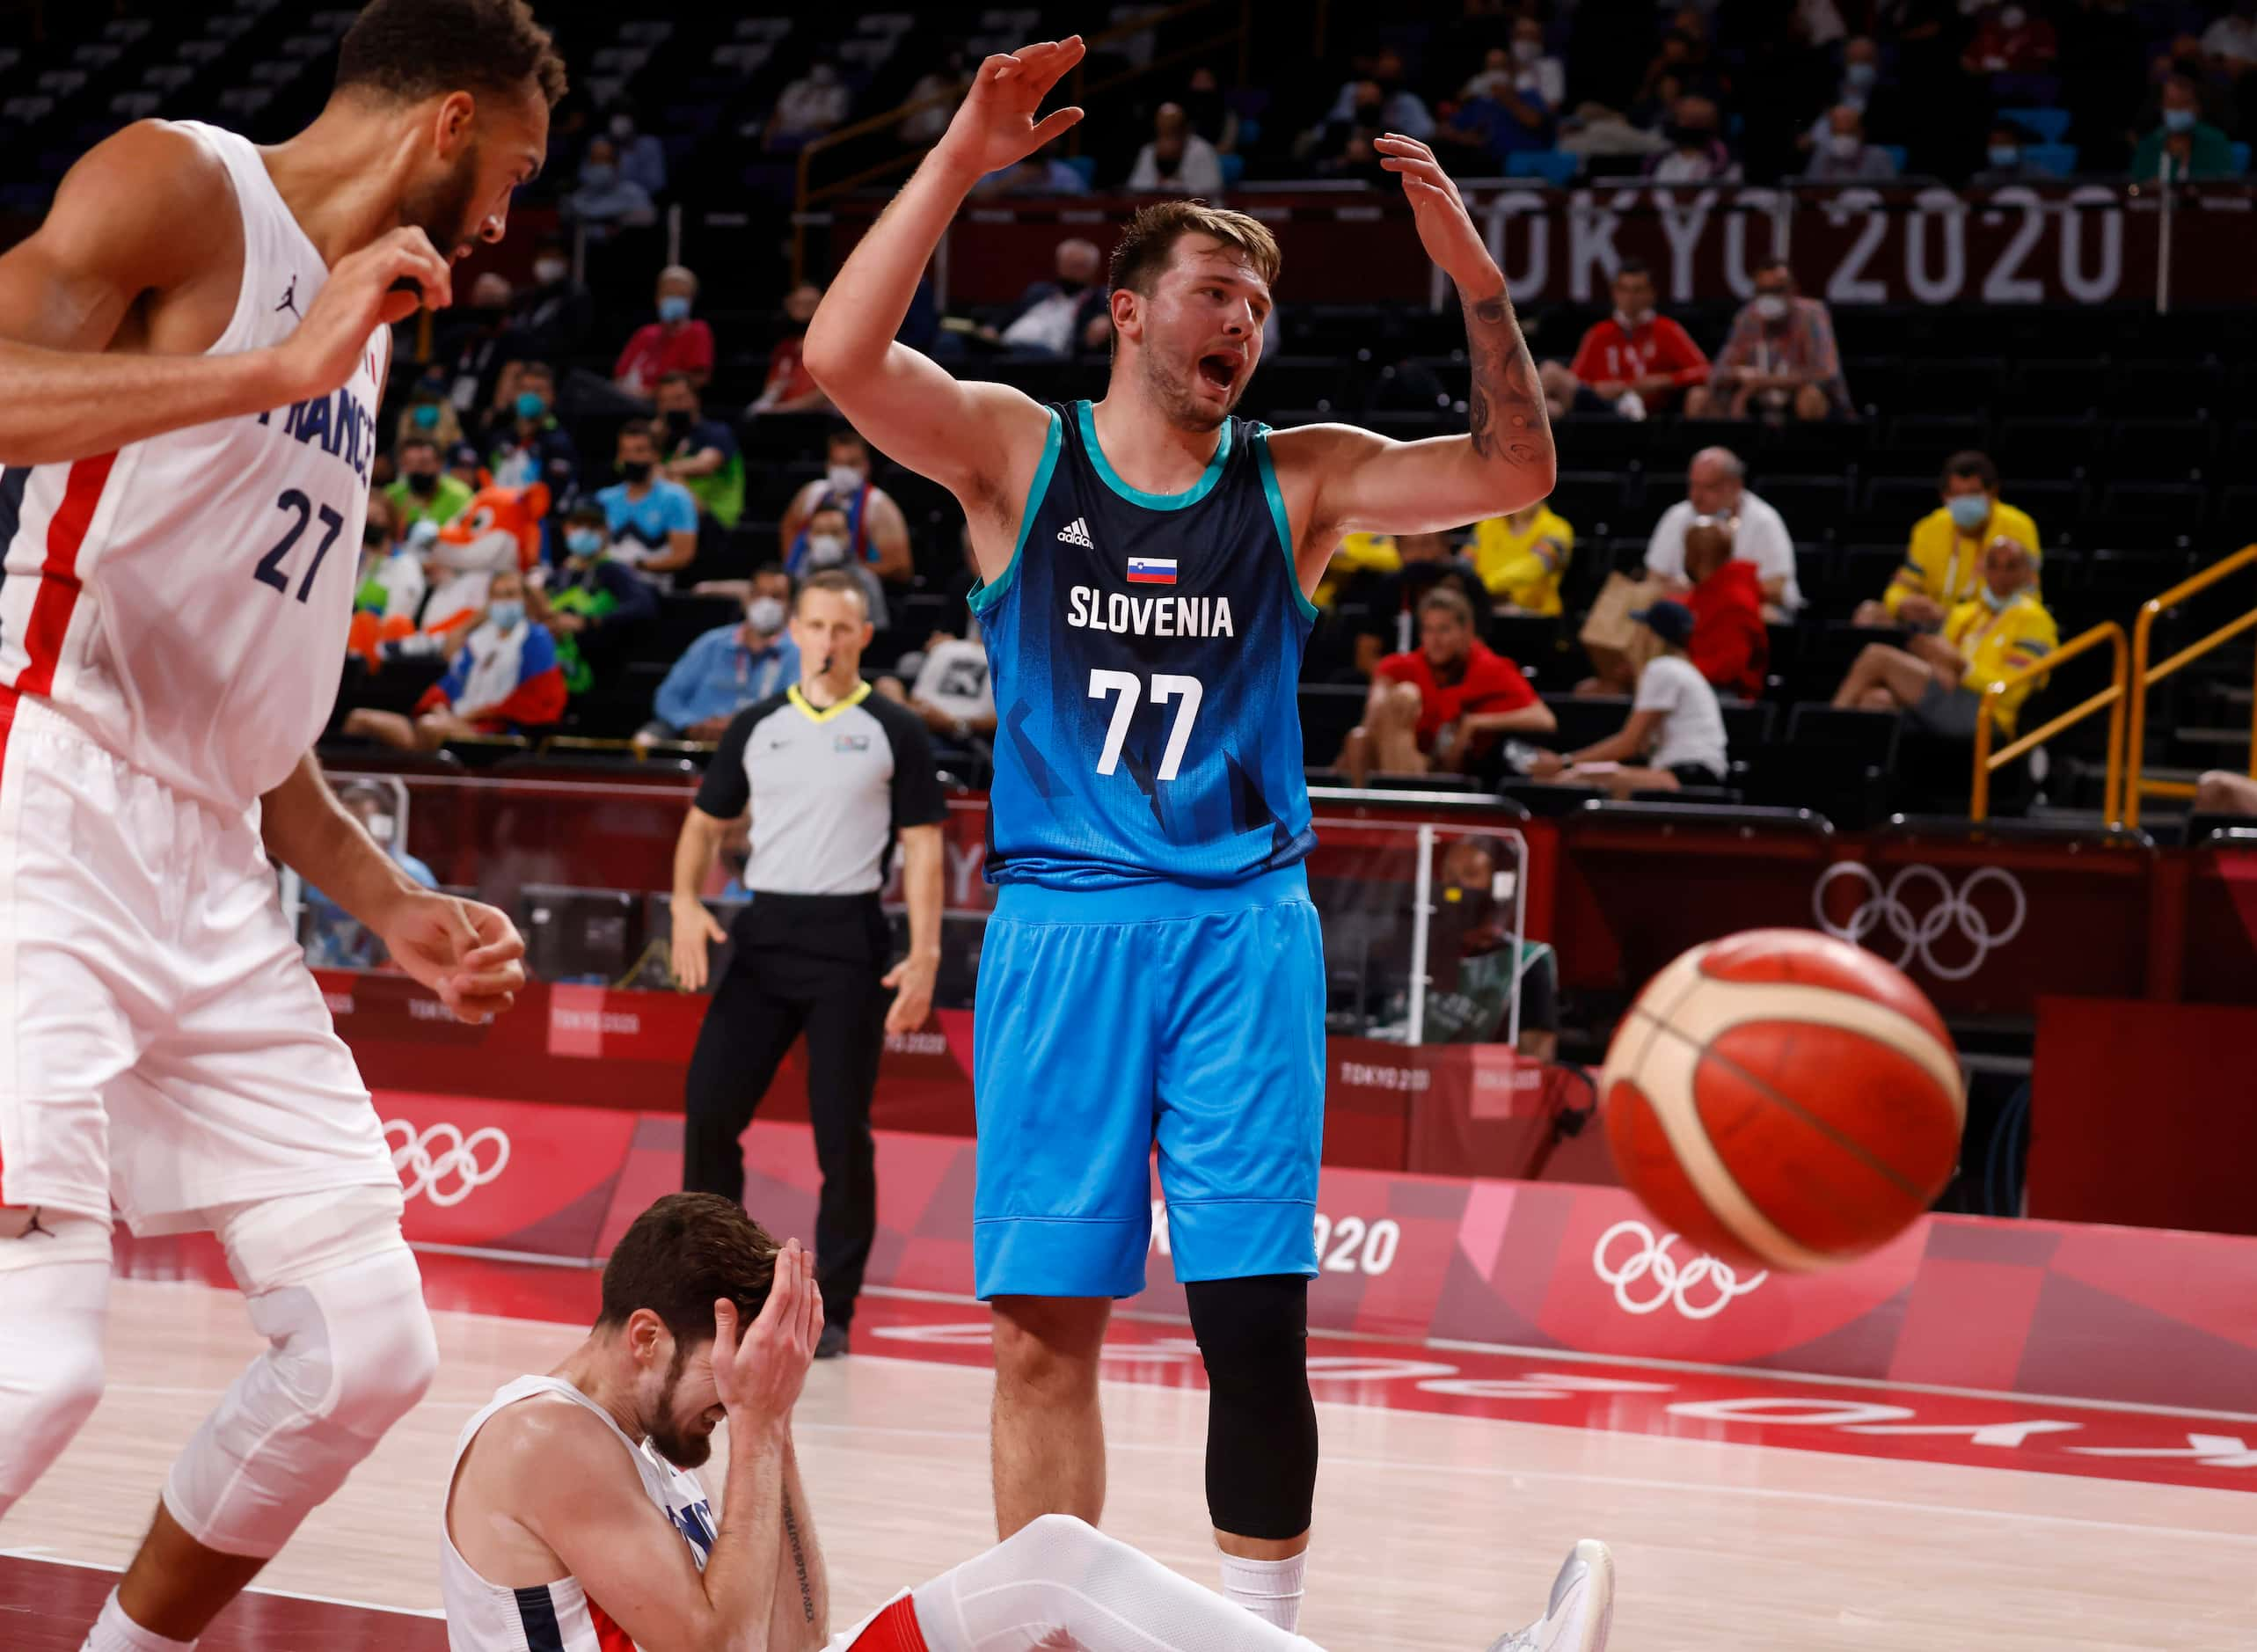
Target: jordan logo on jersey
x: 290, y: 299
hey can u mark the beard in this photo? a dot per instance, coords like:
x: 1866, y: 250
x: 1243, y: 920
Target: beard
x: 443, y: 209
x: 683, y: 1451
x: 1170, y: 389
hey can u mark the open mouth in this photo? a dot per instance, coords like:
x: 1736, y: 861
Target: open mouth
x: 1218, y: 371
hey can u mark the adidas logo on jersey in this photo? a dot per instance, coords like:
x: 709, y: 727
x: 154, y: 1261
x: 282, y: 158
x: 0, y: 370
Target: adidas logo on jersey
x: 1076, y: 532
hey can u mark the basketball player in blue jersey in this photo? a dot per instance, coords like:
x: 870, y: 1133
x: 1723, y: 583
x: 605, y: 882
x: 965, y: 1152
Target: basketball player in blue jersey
x: 1153, y: 969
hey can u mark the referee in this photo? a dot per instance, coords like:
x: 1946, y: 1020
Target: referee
x: 833, y: 774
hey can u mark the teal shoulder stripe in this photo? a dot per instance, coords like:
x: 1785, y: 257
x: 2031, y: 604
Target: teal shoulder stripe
x: 985, y: 596
x: 1277, y: 515
x: 1192, y: 495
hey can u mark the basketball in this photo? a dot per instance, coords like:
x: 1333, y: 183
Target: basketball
x: 1784, y: 1100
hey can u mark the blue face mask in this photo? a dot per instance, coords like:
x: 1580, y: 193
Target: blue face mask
x: 508, y: 613
x: 426, y: 416
x: 583, y: 542
x: 598, y: 174
x: 1862, y: 75
x: 1995, y: 603
x: 1969, y: 511
x: 2179, y: 120
x: 673, y: 308
x: 531, y: 405
x: 2004, y: 156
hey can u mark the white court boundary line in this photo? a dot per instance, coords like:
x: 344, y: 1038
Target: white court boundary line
x: 47, y: 1557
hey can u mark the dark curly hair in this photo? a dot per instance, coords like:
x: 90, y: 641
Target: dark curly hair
x: 681, y: 1256
x: 412, y: 49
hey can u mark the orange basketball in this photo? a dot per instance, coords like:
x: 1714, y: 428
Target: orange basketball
x: 1783, y: 1099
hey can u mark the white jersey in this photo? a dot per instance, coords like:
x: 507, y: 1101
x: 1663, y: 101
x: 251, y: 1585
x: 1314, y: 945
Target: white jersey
x: 185, y: 601
x: 557, y: 1617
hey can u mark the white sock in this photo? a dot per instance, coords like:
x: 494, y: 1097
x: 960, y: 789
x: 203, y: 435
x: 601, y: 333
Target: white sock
x: 114, y: 1632
x: 1270, y: 1589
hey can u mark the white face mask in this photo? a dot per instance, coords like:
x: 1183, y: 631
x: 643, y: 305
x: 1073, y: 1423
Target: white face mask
x: 1771, y: 306
x: 381, y: 828
x: 844, y: 479
x: 1845, y: 145
x: 1630, y: 321
x: 1527, y: 51
x: 826, y: 549
x: 765, y: 614
x: 623, y: 127
x: 548, y: 271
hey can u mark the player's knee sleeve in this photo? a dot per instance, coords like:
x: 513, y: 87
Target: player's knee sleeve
x: 1262, y: 1421
x: 52, y: 1302
x: 350, y: 1351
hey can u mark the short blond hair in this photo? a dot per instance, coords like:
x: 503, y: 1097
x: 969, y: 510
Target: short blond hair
x: 1146, y: 243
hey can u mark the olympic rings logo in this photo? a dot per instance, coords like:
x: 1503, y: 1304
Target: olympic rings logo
x: 442, y: 1164
x: 1918, y: 934
x: 1670, y: 1281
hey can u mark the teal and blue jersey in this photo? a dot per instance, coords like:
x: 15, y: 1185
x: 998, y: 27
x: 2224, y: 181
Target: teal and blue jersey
x: 1144, y: 651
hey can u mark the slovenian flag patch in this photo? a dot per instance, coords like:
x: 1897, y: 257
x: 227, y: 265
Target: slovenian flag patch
x: 1151, y: 570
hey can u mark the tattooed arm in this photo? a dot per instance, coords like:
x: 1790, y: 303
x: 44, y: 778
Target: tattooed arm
x: 1337, y: 479
x: 801, y: 1620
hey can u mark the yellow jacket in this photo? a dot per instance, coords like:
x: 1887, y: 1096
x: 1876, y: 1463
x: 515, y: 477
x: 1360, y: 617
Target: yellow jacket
x: 1946, y: 565
x: 1523, y: 567
x: 1356, y: 553
x: 1997, y: 645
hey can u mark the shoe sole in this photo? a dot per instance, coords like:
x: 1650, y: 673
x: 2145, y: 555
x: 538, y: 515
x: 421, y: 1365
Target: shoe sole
x: 1598, y: 1561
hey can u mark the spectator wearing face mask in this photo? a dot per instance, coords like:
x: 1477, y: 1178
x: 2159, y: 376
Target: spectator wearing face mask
x: 674, y: 343
x: 594, y: 603
x: 1178, y: 161
x: 790, y: 387
x: 1943, y: 683
x: 390, y: 582
x: 1779, y: 360
x: 472, y: 341
x: 1858, y: 88
x: 2011, y: 40
x: 605, y: 200
x: 531, y: 446
x: 729, y: 668
x: 1062, y: 316
x: 1525, y: 66
x: 653, y: 521
x: 1492, y: 962
x: 1943, y: 563
x: 2188, y: 145
x: 702, y: 453
x: 1635, y: 363
x: 1210, y: 112
x: 1513, y: 121
x: 1845, y: 156
x: 877, y: 535
x: 806, y: 107
x: 504, y: 679
x: 1381, y: 102
x: 334, y: 938
x: 2005, y: 159
x: 641, y: 157
x: 951, y: 81
x: 424, y: 492
x: 826, y: 546
x: 430, y: 412
x: 1695, y: 152
x: 2232, y: 40
x: 549, y: 320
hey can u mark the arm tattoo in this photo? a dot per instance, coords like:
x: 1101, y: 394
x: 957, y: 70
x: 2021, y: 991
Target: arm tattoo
x: 799, y: 1561
x: 1505, y: 413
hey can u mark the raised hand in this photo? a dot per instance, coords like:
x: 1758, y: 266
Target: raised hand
x: 469, y: 953
x: 693, y: 927
x: 1446, y: 229
x: 994, y: 127
x: 384, y: 282
x: 757, y: 1371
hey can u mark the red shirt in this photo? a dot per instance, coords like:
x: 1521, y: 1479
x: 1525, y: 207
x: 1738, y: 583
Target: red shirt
x: 656, y: 351
x: 1490, y: 683
x: 788, y: 378
x: 1656, y: 345
x: 1730, y: 646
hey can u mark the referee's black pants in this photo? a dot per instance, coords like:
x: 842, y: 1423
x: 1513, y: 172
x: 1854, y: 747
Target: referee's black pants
x: 811, y: 964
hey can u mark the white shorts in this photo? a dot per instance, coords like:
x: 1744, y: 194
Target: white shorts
x: 162, y: 1047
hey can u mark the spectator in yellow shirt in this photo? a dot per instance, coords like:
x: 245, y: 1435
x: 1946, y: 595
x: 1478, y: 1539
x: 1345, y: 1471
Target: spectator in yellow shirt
x: 1943, y: 564
x: 1943, y: 682
x: 1522, y: 558
x: 1357, y: 553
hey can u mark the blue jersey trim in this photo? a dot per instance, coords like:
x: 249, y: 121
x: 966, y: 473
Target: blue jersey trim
x: 1198, y: 490
x: 1277, y: 515
x: 986, y: 597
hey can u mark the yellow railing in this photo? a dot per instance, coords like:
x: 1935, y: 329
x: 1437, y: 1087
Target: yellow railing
x: 808, y: 194
x: 1987, y: 762
x: 2144, y: 676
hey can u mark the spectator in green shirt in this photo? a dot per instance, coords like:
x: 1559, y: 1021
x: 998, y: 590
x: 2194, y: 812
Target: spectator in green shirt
x: 425, y: 492
x: 2195, y: 147
x: 702, y: 453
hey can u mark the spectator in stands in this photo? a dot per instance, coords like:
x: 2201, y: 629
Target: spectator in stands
x: 595, y: 603
x: 808, y: 107
x: 1942, y: 683
x: 1634, y: 363
x: 877, y: 533
x: 653, y: 521
x: 1444, y: 704
x: 2222, y: 792
x: 1674, y: 734
x: 1044, y: 172
x: 1716, y: 485
x: 1593, y: 132
x: 549, y: 320
x: 825, y: 546
x: 952, y: 80
x: 425, y: 492
x: 1403, y: 570
x: 2232, y: 40
x: 1508, y: 123
x: 950, y: 693
x: 1695, y: 154
x: 1730, y: 647
x: 1523, y: 557
x: 2013, y: 39
x: 605, y: 201
x: 1524, y: 67
x: 1381, y: 103
x: 729, y: 668
x: 2190, y: 145
x: 533, y: 447
x: 790, y: 387
x: 1064, y: 315
x: 1178, y: 161
x: 469, y: 341
x: 1210, y: 112
x: 674, y: 343
x: 702, y: 453
x: 641, y: 157
x: 1943, y: 563
x: 2006, y: 160
x: 504, y: 679
x: 1780, y: 360
x: 1475, y: 920
x: 429, y: 411
x: 335, y: 939
x: 465, y: 466
x: 1845, y: 156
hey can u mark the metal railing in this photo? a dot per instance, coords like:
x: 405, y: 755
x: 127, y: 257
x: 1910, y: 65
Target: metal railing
x: 2144, y: 676
x: 1988, y: 762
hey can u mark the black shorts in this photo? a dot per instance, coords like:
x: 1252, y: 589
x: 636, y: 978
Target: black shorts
x: 1949, y: 712
x: 1696, y: 774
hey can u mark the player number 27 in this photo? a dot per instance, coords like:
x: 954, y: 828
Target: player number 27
x: 1130, y: 690
x: 297, y: 505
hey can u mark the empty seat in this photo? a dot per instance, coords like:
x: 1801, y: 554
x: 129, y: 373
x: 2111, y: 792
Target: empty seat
x: 2057, y: 387
x: 1924, y: 440
x: 2179, y: 506
x: 1812, y: 507
x: 2035, y: 446
x: 2158, y: 449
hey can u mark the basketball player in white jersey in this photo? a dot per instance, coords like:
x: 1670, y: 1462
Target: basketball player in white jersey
x: 192, y: 351
x: 575, y: 1523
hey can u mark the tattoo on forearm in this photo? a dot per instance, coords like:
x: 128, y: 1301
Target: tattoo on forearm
x: 1505, y: 413
x: 799, y: 1561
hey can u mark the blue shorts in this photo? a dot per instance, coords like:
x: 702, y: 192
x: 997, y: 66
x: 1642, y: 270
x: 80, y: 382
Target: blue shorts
x: 1110, y: 1020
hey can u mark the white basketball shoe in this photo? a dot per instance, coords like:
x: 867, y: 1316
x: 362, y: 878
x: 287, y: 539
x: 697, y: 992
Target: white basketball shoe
x: 1580, y: 1610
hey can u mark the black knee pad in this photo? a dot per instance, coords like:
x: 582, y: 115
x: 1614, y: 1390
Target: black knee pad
x: 1261, y: 1424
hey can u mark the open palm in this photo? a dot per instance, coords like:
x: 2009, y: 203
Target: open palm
x: 994, y: 127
